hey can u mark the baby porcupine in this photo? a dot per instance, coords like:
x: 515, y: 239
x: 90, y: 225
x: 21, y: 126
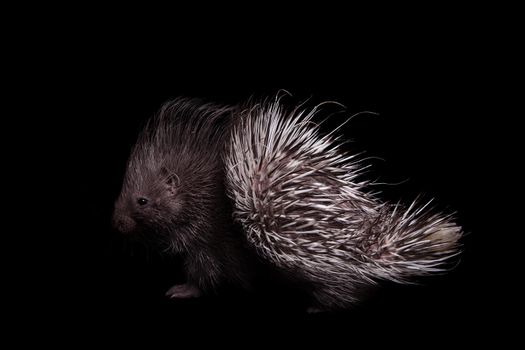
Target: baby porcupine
x: 199, y: 170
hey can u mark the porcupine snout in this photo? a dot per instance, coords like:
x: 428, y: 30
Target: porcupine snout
x: 123, y: 223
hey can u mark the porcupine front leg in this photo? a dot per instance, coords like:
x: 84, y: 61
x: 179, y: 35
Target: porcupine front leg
x: 190, y: 289
x: 202, y: 273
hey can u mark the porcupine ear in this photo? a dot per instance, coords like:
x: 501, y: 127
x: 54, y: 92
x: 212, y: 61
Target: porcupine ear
x: 303, y: 206
x: 171, y: 180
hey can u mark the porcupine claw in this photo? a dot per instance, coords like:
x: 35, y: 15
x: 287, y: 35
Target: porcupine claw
x: 183, y: 291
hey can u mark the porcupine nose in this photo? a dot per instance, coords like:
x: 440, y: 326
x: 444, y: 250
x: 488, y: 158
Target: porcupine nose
x: 123, y: 224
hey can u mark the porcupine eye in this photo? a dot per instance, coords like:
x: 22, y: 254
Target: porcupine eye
x: 142, y: 201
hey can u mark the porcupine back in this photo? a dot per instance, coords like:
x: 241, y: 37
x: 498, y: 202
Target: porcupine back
x: 301, y: 204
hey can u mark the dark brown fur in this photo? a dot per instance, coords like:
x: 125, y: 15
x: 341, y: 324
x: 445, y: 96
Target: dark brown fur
x: 176, y: 167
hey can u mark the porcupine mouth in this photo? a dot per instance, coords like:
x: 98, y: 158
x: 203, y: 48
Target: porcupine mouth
x: 124, y: 224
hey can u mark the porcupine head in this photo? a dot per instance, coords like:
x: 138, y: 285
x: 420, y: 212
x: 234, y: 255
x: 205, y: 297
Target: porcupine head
x: 173, y: 197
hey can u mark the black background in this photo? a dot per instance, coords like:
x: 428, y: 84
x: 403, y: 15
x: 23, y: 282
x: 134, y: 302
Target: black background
x: 434, y: 133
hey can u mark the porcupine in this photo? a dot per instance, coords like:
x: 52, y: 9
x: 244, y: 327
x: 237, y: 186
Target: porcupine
x: 199, y: 170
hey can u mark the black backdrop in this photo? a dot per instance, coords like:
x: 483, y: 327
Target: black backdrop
x: 430, y: 131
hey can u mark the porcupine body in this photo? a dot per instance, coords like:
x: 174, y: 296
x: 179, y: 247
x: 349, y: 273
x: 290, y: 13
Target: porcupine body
x: 295, y: 194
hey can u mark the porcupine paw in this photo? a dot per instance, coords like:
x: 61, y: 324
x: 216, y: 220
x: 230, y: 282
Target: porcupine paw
x: 183, y: 291
x: 314, y: 310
